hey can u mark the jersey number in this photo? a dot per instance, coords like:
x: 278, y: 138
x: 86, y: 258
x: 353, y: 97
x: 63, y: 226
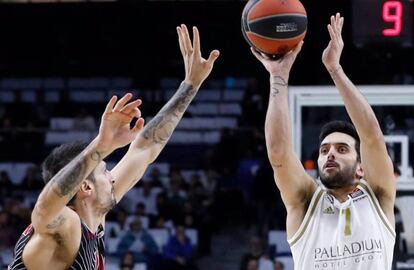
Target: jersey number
x: 347, y: 214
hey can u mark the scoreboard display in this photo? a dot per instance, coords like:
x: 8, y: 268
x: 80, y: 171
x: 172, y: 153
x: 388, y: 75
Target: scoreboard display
x: 382, y: 23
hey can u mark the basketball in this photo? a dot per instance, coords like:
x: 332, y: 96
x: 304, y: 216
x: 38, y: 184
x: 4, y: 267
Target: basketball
x: 274, y: 27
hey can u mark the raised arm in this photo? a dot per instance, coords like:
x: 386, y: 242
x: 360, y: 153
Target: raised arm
x: 376, y: 164
x: 295, y: 185
x: 148, y: 145
x: 50, y: 211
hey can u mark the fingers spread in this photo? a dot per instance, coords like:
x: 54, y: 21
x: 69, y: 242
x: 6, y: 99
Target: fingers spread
x: 341, y: 24
x: 338, y: 24
x: 196, y: 41
x: 298, y: 47
x: 180, y: 40
x: 256, y: 54
x: 110, y: 105
x: 139, y: 124
x: 131, y: 106
x: 332, y: 33
x: 213, y: 56
x: 186, y: 39
x: 123, y: 118
x: 136, y: 113
x: 121, y: 103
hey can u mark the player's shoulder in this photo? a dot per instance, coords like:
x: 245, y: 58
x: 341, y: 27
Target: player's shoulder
x: 68, y: 232
x: 310, y: 189
x: 70, y: 219
x: 56, y: 245
x: 65, y: 224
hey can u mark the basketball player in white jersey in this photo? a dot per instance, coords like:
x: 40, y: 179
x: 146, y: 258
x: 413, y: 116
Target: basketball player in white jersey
x: 68, y: 218
x: 347, y: 222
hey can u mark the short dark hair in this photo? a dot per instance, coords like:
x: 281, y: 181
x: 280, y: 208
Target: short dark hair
x: 59, y: 158
x: 342, y: 127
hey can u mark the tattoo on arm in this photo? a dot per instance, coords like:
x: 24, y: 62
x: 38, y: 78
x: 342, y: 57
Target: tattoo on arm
x: 68, y: 179
x: 56, y: 222
x: 161, y: 127
x: 276, y: 83
x: 334, y: 72
x: 96, y: 156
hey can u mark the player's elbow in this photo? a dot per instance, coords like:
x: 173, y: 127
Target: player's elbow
x: 374, y: 137
x: 40, y: 216
x: 276, y: 156
x: 146, y: 153
x: 276, y: 151
x: 153, y: 155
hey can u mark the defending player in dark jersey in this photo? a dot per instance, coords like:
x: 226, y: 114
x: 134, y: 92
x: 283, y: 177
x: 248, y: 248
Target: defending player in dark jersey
x: 69, y: 215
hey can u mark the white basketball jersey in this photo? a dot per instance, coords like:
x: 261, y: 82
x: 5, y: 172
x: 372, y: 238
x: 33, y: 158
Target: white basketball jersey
x: 353, y: 235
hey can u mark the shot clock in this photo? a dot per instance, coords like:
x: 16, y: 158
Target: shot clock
x: 382, y: 23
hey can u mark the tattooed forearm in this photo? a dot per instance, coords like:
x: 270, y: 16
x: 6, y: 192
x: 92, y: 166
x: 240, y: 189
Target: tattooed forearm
x: 56, y: 222
x: 160, y: 128
x: 68, y: 179
x: 276, y: 83
x: 96, y: 156
x: 334, y: 72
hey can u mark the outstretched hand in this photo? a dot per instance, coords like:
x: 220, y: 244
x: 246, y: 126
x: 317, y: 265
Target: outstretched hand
x: 196, y: 67
x: 115, y: 130
x: 332, y: 54
x: 281, y: 66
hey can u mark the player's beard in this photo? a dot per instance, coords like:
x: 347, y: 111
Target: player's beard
x: 340, y: 179
x: 108, y: 204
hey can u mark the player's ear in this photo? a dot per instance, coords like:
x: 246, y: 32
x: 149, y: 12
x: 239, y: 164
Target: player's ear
x: 359, y: 171
x: 86, y: 188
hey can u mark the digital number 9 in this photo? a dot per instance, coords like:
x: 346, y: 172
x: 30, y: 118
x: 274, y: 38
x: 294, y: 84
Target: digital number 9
x: 392, y: 11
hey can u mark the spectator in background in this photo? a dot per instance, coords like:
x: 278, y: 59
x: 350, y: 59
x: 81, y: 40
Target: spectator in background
x: 176, y: 178
x: 253, y: 106
x: 139, y: 242
x: 159, y: 222
x: 252, y: 264
x: 178, y: 252
x: 210, y: 182
x: 147, y: 195
x: 177, y: 198
x: 268, y: 209
x: 140, y: 209
x: 228, y: 152
x: 19, y: 214
x: 7, y: 232
x: 197, y: 193
x: 84, y: 121
x: 265, y: 263
x: 256, y: 250
x: 188, y: 210
x: 6, y: 185
x: 7, y: 137
x: 144, y: 194
x: 32, y: 180
x: 127, y: 261
x: 155, y: 178
x: 119, y: 218
x: 279, y: 265
x: 163, y: 205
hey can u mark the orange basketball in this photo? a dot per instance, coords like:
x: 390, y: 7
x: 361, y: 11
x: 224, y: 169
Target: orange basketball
x: 274, y: 27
